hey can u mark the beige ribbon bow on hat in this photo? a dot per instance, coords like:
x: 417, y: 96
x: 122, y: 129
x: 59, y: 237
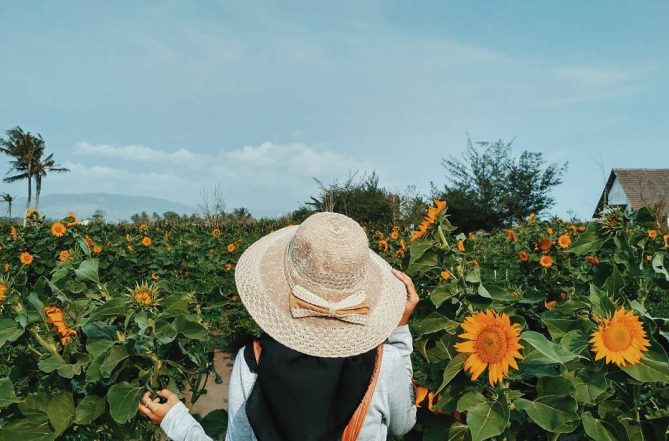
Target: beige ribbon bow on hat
x: 352, y: 309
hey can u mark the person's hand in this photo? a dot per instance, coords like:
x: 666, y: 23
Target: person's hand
x: 412, y: 296
x: 154, y: 409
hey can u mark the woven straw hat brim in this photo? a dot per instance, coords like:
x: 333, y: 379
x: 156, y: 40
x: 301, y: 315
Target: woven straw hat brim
x: 263, y: 289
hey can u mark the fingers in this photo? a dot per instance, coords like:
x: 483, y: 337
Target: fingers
x: 146, y: 398
x: 170, y: 396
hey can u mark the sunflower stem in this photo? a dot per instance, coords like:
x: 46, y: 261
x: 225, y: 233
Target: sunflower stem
x: 555, y: 436
x: 444, y: 242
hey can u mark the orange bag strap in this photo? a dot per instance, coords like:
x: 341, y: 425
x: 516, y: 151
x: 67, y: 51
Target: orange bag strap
x: 354, y: 425
x: 352, y: 430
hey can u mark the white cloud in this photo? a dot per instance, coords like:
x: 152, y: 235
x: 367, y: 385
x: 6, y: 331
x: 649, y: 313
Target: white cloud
x: 588, y: 77
x: 269, y: 176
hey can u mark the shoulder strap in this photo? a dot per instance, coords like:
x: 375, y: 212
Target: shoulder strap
x: 354, y: 426
x: 257, y: 349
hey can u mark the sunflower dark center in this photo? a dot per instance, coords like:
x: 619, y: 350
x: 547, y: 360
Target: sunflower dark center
x: 617, y: 337
x: 491, y: 345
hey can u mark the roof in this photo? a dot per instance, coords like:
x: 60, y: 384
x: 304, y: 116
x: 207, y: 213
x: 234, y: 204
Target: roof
x: 642, y: 186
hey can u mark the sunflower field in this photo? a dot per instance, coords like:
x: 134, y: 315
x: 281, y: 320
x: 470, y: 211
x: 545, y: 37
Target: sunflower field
x: 550, y: 330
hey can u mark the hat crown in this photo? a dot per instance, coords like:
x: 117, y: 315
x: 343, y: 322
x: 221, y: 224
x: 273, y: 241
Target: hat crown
x: 329, y: 256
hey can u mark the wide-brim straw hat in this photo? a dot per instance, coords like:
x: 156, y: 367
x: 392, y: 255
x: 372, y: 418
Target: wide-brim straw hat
x: 317, y: 288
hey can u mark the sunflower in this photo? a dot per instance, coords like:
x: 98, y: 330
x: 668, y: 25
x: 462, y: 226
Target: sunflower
x: 531, y: 217
x: 573, y: 229
x: 12, y: 232
x: 54, y: 315
x: 550, y: 305
x: 63, y: 255
x: 592, y: 260
x: 652, y: 234
x: 4, y: 287
x: 395, y: 234
x: 445, y: 274
x: 58, y: 229
x: 26, y: 258
x: 383, y: 245
x: 430, y: 218
x: 461, y: 245
x: 511, y: 235
x: 549, y: 230
x: 216, y: 232
x: 620, y: 339
x: 144, y: 228
x: 97, y: 249
x: 128, y: 238
x: 492, y: 342
x: 143, y: 294
x: 564, y: 241
x: 89, y: 242
x: 543, y: 245
x: 546, y: 261
x: 229, y: 266
x: 6, y: 267
x: 666, y: 240
x: 581, y: 228
x: 523, y: 256
x: 154, y: 276
x: 146, y: 241
x: 131, y: 248
x: 231, y: 247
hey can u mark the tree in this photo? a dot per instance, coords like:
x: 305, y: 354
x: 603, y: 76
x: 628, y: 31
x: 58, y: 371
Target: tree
x: 41, y: 168
x: 26, y: 150
x: 9, y: 199
x: 98, y: 216
x: 490, y: 187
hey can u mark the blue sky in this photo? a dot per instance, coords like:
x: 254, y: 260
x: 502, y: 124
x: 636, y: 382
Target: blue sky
x: 167, y: 98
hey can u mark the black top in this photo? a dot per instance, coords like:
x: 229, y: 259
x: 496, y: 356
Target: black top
x: 301, y: 397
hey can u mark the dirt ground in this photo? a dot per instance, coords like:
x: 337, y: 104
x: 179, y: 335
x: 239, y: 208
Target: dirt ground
x: 217, y: 394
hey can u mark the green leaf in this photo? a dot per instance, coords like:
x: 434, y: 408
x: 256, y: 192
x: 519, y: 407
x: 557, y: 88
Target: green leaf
x: 587, y: 242
x: 485, y: 418
x: 495, y: 292
x: 50, y: 364
x: 61, y: 412
x: 114, y: 357
x: 165, y: 332
x: 554, y: 352
x: 432, y: 323
x: 654, y: 367
x: 552, y: 413
x: 191, y: 329
x: 658, y: 265
x: 442, y: 293
x: 601, y: 303
x: 215, y: 423
x: 89, y: 409
x: 35, y: 428
x: 474, y: 276
x: 554, y: 386
x: 595, y: 428
x: 589, y: 385
x: 112, y: 308
x: 7, y: 394
x: 614, y: 283
x: 88, y: 270
x: 10, y: 330
x: 458, y: 432
x: 452, y: 369
x: 123, y: 399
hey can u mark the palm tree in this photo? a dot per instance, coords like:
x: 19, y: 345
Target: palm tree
x: 26, y: 150
x: 40, y: 170
x: 9, y: 199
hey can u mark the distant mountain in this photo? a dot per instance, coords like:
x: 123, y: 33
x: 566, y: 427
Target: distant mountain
x: 114, y: 206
